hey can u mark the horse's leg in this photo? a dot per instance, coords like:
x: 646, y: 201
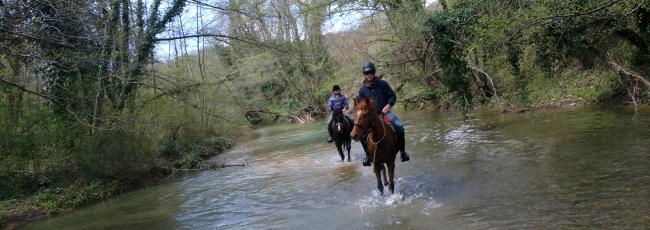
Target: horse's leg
x: 383, y: 174
x: 391, y: 176
x: 377, y: 170
x: 340, y: 149
x: 348, y: 146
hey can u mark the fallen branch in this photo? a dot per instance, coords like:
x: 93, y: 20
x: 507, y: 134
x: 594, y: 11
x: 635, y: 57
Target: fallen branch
x: 212, y: 166
x: 487, y: 76
x: 223, y: 165
x: 296, y: 118
x: 626, y: 72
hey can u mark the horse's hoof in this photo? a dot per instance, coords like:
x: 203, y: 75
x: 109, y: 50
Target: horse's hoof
x: 349, y: 160
x: 404, y: 156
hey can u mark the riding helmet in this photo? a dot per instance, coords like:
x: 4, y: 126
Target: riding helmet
x: 369, y: 68
x: 335, y: 88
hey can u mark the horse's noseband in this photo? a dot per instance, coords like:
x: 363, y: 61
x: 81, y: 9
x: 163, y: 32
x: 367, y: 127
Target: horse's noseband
x: 364, y: 129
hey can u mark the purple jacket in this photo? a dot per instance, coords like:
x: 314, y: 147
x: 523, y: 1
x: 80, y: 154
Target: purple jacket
x: 337, y: 102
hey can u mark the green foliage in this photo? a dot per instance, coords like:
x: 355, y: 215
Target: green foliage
x: 518, y: 44
x: 221, y: 142
x: 190, y: 161
x: 100, y: 157
x: 33, y: 146
x: 82, y: 116
x: 444, y: 26
x: 60, y: 199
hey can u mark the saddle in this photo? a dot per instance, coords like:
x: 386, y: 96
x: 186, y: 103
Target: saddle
x: 387, y: 120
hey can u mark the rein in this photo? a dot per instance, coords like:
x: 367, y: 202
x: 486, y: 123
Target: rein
x: 375, y: 144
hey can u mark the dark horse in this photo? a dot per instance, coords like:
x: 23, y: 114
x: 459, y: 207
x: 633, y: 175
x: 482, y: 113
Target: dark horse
x: 342, y: 126
x: 382, y: 141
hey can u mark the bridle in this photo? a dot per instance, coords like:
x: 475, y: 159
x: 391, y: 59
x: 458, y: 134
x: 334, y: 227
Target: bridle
x: 339, y: 123
x: 365, y: 130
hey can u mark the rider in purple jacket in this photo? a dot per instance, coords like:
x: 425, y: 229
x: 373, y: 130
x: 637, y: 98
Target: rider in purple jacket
x: 335, y: 102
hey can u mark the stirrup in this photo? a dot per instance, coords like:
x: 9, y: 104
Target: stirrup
x: 366, y: 161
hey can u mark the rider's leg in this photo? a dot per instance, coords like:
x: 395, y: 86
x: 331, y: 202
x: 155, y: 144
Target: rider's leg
x: 329, y: 129
x: 401, y: 142
x: 364, y: 144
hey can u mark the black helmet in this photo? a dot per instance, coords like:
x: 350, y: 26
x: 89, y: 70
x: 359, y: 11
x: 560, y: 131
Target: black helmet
x: 369, y: 68
x: 336, y: 87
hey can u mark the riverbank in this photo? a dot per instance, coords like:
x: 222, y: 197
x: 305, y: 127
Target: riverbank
x: 52, y: 201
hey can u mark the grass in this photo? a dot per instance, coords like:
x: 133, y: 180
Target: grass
x: 583, y: 87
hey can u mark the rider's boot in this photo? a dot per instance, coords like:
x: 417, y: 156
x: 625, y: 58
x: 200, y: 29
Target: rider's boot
x: 402, y: 145
x: 367, y: 161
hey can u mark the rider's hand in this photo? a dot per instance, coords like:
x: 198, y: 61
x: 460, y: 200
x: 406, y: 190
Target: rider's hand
x: 386, y: 109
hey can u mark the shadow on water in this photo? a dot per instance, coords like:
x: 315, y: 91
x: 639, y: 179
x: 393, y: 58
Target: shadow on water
x: 569, y: 169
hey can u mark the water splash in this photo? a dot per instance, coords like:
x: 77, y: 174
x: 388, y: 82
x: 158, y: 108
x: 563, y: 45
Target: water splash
x: 430, y: 205
x: 375, y: 200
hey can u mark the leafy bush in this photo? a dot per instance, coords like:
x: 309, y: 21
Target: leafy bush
x: 190, y: 161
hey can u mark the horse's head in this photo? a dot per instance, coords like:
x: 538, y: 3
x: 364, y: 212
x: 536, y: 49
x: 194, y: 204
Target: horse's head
x: 364, y: 117
x: 339, y: 119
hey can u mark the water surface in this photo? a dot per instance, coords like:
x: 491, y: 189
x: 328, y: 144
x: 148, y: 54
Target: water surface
x: 587, y: 168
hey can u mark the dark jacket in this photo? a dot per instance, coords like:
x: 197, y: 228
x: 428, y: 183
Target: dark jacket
x: 380, y: 91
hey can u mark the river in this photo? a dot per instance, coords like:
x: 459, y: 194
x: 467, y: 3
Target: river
x: 579, y: 168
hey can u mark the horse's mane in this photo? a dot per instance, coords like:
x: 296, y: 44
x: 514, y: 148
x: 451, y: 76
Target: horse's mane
x: 337, y: 114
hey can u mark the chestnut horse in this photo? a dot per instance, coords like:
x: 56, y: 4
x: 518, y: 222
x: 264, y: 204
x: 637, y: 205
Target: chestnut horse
x: 341, y: 132
x: 382, y: 141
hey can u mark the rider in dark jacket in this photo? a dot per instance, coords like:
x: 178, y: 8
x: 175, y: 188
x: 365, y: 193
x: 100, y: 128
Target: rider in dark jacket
x: 385, y: 98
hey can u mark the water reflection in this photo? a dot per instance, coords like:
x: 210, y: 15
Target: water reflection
x: 152, y: 208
